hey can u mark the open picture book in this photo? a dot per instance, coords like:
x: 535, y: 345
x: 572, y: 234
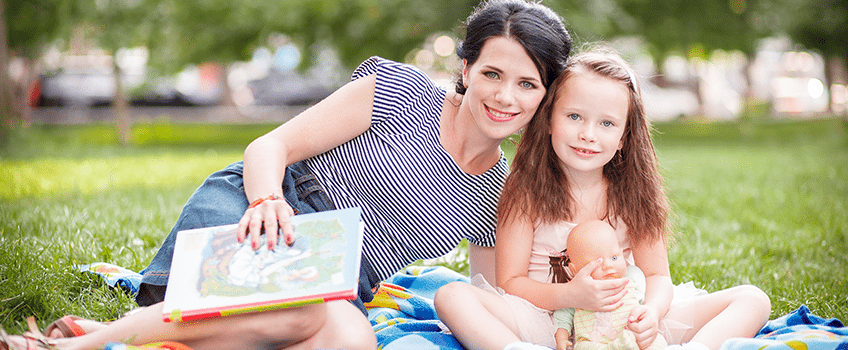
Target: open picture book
x: 212, y: 274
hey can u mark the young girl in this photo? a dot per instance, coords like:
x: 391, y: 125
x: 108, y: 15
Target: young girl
x: 588, y: 155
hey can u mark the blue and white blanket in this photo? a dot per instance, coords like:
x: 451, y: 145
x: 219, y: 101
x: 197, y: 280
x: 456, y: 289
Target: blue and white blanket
x: 403, y: 315
x: 402, y: 312
x: 797, y: 330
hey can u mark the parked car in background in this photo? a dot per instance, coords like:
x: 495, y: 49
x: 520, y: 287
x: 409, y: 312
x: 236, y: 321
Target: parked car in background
x: 287, y: 89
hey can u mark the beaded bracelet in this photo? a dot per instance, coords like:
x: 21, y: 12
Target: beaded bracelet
x: 259, y: 201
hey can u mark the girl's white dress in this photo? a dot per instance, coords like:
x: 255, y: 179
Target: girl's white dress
x: 536, y: 325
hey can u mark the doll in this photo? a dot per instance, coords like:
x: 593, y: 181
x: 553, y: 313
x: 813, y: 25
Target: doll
x: 589, y: 241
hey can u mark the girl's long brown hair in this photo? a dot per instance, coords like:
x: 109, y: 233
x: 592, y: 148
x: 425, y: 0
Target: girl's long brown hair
x: 538, y: 186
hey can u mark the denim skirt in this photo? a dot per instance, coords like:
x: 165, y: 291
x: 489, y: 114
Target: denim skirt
x: 221, y: 200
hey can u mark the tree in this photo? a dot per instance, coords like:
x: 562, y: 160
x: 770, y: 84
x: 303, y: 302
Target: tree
x: 822, y: 25
x: 118, y: 24
x: 27, y: 27
x: 690, y: 28
x: 363, y: 28
x: 7, y: 95
x: 225, y: 32
x: 219, y: 32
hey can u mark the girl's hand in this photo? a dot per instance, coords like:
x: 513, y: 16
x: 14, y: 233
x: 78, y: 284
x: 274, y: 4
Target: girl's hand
x: 643, y: 322
x: 270, y: 215
x: 598, y: 295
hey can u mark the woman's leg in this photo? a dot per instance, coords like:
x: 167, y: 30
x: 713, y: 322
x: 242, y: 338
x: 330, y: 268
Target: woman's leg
x: 477, y: 318
x: 344, y: 328
x: 734, y: 312
x: 220, y: 200
x: 332, y: 325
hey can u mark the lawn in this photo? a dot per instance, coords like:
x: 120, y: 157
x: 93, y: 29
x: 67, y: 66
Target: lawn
x: 760, y: 202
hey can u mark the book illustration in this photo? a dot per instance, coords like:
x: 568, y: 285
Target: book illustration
x: 213, y: 274
x: 231, y: 269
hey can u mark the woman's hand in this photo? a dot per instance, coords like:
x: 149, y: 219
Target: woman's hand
x: 597, y: 295
x: 270, y: 214
x: 643, y: 322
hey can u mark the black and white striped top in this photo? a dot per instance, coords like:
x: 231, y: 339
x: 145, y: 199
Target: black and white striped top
x: 416, y: 202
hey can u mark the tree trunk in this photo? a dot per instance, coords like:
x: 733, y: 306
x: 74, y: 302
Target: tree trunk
x: 9, y: 115
x: 121, y: 106
x: 27, y: 81
x: 835, y: 72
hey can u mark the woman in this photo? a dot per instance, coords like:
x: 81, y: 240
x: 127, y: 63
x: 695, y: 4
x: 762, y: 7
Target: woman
x: 424, y: 165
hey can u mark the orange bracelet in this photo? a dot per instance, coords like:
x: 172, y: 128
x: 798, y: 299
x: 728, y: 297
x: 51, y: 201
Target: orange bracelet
x: 260, y: 200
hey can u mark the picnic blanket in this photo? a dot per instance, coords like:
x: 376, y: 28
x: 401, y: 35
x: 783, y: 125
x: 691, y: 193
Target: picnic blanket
x: 403, y: 316
x: 402, y: 312
x: 114, y: 276
x: 797, y: 330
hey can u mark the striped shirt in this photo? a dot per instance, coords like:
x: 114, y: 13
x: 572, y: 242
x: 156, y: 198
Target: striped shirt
x: 416, y: 201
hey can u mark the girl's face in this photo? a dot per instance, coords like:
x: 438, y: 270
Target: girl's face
x: 588, y: 121
x: 504, y: 88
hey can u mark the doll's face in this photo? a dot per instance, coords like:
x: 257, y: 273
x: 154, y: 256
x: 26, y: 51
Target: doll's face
x: 594, y: 240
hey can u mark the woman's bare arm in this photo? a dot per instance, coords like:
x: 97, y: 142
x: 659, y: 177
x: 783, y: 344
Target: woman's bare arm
x: 340, y: 117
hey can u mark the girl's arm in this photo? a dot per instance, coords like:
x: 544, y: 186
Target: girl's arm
x: 512, y: 259
x: 652, y: 259
x: 340, y: 117
x: 481, y: 260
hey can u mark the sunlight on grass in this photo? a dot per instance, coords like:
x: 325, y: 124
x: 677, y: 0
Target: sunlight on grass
x: 56, y: 176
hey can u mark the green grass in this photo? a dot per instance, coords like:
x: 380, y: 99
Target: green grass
x: 766, y: 204
x: 755, y: 202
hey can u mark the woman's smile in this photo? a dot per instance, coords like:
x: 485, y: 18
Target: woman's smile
x: 500, y: 116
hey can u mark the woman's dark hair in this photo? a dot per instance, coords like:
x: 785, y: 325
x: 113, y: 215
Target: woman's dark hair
x: 533, y: 25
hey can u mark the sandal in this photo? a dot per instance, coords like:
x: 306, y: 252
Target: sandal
x: 66, y: 325
x: 33, y: 340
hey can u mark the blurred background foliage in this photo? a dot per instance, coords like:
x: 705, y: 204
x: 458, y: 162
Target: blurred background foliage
x: 194, y: 31
x: 177, y: 33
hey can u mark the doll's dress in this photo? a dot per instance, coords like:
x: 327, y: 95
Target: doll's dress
x: 606, y: 330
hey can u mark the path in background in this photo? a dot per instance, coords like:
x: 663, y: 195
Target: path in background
x: 200, y: 114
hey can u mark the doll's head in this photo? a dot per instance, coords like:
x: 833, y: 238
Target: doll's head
x: 592, y: 240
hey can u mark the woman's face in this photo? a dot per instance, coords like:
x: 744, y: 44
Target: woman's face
x: 504, y: 88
